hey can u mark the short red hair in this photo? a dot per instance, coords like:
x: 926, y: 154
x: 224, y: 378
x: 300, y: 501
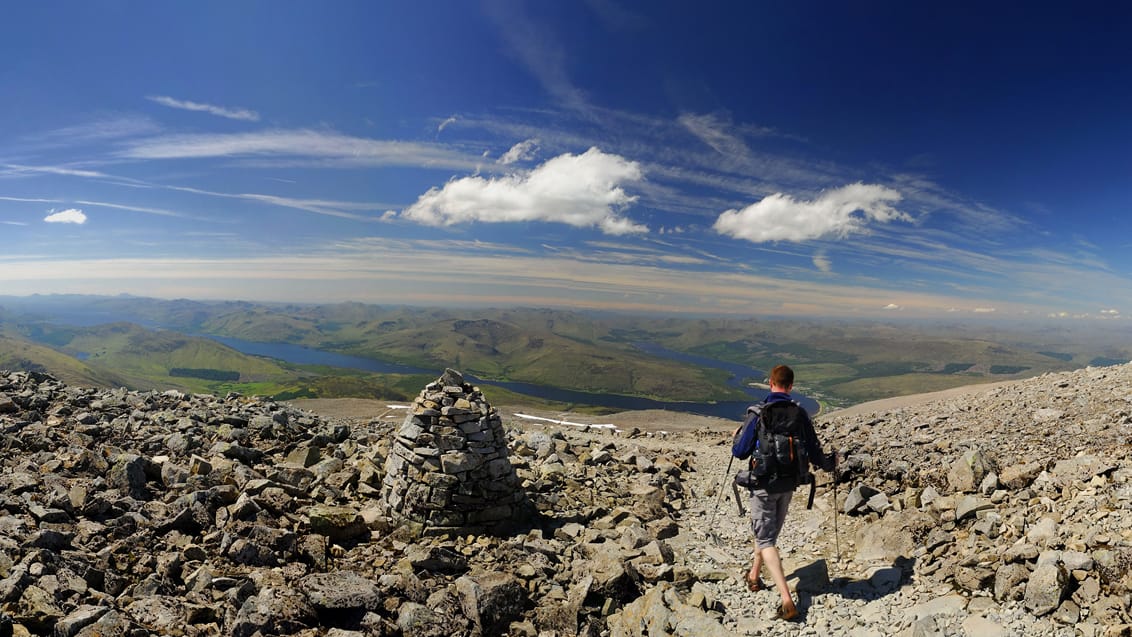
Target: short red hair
x: 782, y: 376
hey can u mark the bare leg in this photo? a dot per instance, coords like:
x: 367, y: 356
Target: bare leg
x: 774, y: 565
x: 756, y: 567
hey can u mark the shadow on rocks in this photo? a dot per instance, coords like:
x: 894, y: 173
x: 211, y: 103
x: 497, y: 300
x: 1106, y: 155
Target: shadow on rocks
x: 882, y: 581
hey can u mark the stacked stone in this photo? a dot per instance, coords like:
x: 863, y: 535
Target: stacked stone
x: 448, y: 470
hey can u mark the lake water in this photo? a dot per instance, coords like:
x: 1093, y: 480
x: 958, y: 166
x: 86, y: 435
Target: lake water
x: 731, y: 410
x: 297, y: 354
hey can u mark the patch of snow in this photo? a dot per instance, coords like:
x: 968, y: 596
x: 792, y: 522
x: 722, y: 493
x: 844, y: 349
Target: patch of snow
x: 567, y: 422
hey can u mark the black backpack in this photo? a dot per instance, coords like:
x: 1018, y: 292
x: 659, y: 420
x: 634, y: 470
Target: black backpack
x: 780, y: 459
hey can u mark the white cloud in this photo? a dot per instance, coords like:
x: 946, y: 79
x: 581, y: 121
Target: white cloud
x: 13, y: 223
x: 577, y: 190
x: 822, y: 262
x: 984, y: 310
x: 220, y: 111
x: 70, y: 215
x: 29, y: 199
x: 327, y: 207
x: 519, y: 152
x: 1110, y: 312
x: 321, y: 145
x: 96, y: 131
x: 446, y: 123
x: 152, y: 211
x: 17, y: 169
x: 891, y: 306
x: 780, y: 217
x: 537, y: 48
x: 712, y: 130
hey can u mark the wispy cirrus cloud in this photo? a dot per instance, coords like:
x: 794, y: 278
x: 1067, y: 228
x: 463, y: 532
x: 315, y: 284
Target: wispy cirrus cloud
x: 930, y: 197
x: 406, y: 272
x: 446, y: 123
x: 578, y: 190
x: 151, y: 211
x: 306, y: 144
x: 30, y: 199
x: 781, y: 217
x: 16, y: 170
x: 92, y: 132
x: 332, y: 208
x: 712, y: 130
x: 625, y: 253
x: 537, y: 48
x: 242, y: 114
x: 822, y: 262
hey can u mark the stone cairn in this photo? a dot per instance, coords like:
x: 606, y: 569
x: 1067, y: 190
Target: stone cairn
x: 448, y: 470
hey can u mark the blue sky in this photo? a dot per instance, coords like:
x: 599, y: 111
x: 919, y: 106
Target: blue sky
x: 818, y: 159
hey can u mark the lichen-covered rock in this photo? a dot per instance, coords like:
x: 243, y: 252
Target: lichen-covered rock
x: 337, y: 523
x: 341, y: 591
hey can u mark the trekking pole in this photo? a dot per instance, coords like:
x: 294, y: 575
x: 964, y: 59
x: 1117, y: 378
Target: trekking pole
x: 836, y: 536
x: 738, y: 498
x: 718, y: 499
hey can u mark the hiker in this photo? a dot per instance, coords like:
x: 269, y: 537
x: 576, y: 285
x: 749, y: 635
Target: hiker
x: 774, y: 482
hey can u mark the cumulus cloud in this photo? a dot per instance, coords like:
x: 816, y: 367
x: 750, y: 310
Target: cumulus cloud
x: 984, y: 310
x: 220, y: 111
x: 1110, y: 312
x: 578, y: 190
x: 523, y: 150
x: 781, y: 217
x: 891, y: 306
x: 70, y: 215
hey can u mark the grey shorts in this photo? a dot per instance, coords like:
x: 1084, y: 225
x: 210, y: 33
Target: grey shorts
x: 768, y: 513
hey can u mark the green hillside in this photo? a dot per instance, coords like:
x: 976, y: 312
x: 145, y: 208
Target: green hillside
x: 501, y: 350
x: 146, y: 358
x: 132, y: 356
x: 837, y: 362
x: 18, y: 354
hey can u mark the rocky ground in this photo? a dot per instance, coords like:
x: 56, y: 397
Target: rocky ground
x: 1005, y: 510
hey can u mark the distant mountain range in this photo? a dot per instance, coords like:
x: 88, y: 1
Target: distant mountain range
x: 144, y: 343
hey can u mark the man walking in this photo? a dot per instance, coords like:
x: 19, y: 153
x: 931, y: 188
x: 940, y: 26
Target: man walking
x: 777, y: 477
